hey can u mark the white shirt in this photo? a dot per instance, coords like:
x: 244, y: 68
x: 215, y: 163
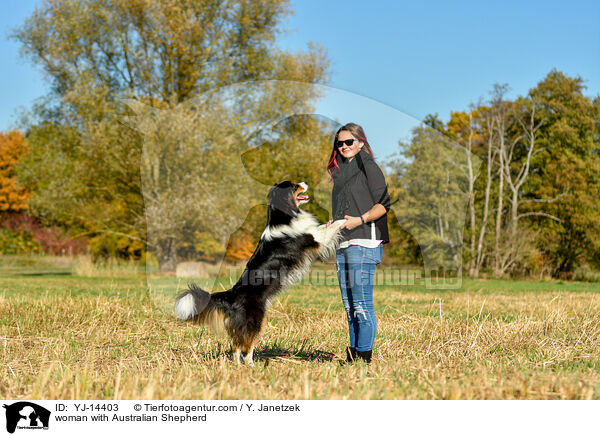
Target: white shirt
x: 368, y: 243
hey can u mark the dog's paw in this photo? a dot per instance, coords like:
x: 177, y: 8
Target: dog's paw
x: 327, y: 224
x: 338, y: 223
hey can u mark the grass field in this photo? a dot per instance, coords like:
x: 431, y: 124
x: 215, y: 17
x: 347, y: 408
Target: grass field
x: 71, y: 337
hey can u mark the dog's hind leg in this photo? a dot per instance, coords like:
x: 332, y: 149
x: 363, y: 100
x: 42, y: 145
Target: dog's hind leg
x: 237, y: 354
x: 248, y: 358
x: 248, y: 347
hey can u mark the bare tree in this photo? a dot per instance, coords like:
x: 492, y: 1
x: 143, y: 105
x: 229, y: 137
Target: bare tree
x: 501, y: 126
x: 491, y: 155
x: 515, y: 154
x: 530, y: 128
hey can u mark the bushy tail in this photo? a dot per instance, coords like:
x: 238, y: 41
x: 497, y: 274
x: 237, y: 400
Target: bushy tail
x: 197, y: 303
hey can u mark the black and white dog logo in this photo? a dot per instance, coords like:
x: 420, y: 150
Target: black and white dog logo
x: 26, y: 415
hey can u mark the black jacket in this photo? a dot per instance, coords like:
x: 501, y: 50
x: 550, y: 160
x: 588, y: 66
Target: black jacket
x: 367, y: 188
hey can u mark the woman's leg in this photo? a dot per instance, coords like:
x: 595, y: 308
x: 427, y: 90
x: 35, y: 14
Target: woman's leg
x: 344, y: 280
x: 362, y: 262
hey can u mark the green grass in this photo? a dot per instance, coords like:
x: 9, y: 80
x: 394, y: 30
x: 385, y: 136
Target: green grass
x: 73, y: 337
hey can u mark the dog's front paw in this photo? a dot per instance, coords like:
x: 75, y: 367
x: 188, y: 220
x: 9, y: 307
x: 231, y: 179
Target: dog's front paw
x: 338, y: 223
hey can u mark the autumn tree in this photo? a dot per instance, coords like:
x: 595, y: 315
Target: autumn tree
x: 431, y: 180
x: 13, y: 196
x: 535, y: 202
x: 567, y: 172
x: 162, y: 54
x: 473, y: 130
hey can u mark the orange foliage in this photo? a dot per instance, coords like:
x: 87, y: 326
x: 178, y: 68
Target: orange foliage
x: 241, y: 246
x: 12, y: 196
x: 243, y: 241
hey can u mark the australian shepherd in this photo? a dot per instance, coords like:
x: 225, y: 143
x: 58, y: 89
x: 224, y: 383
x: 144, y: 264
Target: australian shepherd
x: 292, y: 240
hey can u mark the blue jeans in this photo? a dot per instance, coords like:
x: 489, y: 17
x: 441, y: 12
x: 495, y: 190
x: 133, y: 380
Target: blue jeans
x: 356, y: 274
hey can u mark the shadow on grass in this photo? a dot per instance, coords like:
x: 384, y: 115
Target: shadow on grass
x: 40, y: 273
x: 276, y: 353
x: 273, y: 351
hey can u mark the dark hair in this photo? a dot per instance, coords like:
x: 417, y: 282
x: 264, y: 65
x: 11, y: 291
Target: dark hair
x: 356, y: 131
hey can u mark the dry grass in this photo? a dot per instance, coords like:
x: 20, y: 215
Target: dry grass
x: 84, y: 338
x: 84, y: 266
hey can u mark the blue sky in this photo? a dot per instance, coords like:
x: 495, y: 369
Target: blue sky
x: 394, y: 62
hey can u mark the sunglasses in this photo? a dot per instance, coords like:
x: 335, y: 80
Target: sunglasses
x: 348, y: 142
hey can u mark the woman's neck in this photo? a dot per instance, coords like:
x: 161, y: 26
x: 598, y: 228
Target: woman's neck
x: 350, y: 158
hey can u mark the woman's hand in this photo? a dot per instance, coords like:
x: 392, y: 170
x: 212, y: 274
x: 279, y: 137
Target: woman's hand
x: 351, y: 223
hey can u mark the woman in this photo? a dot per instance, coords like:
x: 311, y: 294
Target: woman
x: 360, y: 196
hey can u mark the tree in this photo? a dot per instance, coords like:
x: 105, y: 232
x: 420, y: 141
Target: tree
x: 567, y: 172
x: 13, y: 196
x: 432, y: 174
x: 470, y: 130
x: 163, y: 54
x: 541, y: 157
x: 164, y: 50
x: 433, y: 121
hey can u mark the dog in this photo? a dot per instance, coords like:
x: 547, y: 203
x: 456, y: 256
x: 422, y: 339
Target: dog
x: 290, y: 243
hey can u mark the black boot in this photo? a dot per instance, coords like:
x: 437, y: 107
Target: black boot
x: 350, y: 354
x: 364, y: 355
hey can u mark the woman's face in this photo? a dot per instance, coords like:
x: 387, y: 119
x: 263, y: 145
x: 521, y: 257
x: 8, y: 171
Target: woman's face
x: 349, y: 151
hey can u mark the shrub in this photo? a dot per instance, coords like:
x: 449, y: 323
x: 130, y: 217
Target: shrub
x: 14, y: 242
x: 109, y: 245
x: 50, y: 240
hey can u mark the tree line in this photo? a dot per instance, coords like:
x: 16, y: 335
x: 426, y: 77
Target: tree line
x: 531, y: 174
x: 168, y: 120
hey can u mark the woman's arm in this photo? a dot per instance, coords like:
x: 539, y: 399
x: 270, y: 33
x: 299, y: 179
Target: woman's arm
x: 378, y: 188
x: 376, y: 212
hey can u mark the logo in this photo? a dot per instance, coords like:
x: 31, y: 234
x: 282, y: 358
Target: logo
x: 26, y: 415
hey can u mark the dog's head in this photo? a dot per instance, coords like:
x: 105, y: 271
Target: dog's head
x: 285, y: 199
